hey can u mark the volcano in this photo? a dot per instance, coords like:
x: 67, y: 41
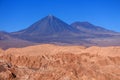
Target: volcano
x: 47, y: 26
x: 51, y: 29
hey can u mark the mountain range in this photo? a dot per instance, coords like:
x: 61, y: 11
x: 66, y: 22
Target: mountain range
x: 50, y: 29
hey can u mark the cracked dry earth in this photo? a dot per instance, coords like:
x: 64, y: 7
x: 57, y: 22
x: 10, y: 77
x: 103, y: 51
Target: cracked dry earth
x: 52, y: 62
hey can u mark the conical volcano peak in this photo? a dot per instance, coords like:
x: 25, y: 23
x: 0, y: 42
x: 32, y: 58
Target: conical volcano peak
x: 50, y: 16
x: 48, y: 25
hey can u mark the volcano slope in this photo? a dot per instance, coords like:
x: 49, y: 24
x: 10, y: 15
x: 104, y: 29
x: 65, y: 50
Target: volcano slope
x: 53, y: 62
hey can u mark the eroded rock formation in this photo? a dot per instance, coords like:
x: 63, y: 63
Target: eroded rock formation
x: 50, y: 62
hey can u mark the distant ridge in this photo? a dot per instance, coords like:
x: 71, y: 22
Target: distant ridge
x: 7, y: 41
x: 88, y: 27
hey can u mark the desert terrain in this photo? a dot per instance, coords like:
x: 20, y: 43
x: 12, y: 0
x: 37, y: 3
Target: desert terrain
x: 59, y: 39
x: 53, y: 62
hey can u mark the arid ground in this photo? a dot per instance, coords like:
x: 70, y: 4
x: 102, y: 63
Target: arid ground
x: 53, y: 62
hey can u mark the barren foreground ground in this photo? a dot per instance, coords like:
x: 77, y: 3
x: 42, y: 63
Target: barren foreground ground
x: 52, y: 62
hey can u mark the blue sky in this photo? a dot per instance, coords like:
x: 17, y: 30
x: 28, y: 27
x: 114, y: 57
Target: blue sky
x: 20, y: 14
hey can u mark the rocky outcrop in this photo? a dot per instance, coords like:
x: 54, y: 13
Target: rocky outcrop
x: 7, y: 71
x: 62, y: 64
